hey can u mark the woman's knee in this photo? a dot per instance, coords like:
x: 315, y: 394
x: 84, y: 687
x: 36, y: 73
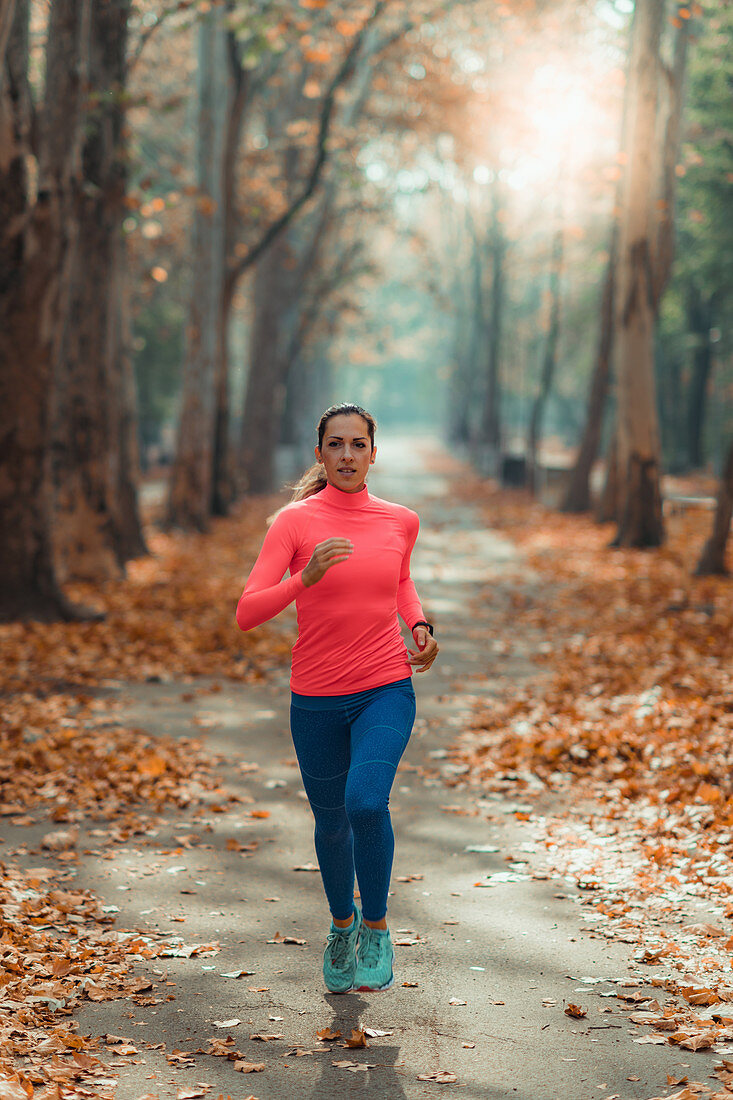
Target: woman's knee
x: 366, y: 809
x: 332, y: 825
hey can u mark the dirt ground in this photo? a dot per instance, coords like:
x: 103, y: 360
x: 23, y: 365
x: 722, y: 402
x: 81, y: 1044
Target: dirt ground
x: 490, y: 948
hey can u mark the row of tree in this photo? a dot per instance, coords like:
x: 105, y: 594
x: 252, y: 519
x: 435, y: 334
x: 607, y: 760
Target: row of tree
x: 287, y: 100
x: 628, y: 368
x: 67, y: 404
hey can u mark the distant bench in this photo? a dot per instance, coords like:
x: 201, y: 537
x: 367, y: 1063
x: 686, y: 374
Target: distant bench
x: 675, y: 504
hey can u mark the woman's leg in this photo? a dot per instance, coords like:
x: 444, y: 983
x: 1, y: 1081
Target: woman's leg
x: 321, y: 740
x: 379, y: 735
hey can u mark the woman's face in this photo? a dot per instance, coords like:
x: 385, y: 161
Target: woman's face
x: 347, y: 452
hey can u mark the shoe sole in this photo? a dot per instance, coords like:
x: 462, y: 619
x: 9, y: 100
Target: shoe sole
x: 376, y: 988
x: 373, y: 988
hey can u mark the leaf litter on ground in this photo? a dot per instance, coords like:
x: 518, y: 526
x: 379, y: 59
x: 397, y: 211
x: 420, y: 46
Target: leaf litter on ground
x: 628, y: 723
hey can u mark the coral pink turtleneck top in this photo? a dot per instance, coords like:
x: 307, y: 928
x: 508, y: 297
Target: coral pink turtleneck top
x: 348, y: 633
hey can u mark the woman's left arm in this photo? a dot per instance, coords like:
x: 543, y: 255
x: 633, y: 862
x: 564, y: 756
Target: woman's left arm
x: 408, y: 601
x: 410, y: 608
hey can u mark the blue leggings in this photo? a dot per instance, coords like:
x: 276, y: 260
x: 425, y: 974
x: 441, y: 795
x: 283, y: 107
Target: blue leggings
x: 348, y: 749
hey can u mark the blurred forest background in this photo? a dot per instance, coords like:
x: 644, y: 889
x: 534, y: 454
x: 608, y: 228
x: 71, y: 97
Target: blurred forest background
x: 507, y: 222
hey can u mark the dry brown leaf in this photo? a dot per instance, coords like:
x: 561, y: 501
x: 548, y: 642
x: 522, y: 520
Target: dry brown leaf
x: 15, y: 1086
x: 326, y: 1033
x: 702, y: 1041
x: 356, y: 1039
x: 249, y: 1067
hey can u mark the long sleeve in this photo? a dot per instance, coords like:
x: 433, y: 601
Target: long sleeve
x: 267, y: 592
x: 408, y: 601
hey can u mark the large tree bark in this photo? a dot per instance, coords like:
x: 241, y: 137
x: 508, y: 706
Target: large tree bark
x: 549, y: 357
x: 640, y: 521
x: 191, y: 490
x: 97, y: 525
x: 664, y: 149
x: 37, y: 248
x: 712, y: 559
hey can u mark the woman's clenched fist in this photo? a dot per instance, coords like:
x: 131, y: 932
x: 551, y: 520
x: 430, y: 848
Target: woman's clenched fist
x: 327, y: 553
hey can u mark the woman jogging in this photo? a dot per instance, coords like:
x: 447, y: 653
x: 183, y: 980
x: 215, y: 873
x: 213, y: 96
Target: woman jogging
x: 352, y: 703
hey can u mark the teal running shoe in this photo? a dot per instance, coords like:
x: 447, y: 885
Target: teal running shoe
x: 374, y: 961
x: 339, y: 958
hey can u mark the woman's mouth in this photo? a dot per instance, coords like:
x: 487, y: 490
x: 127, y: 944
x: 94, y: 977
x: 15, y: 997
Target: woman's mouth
x: 347, y: 470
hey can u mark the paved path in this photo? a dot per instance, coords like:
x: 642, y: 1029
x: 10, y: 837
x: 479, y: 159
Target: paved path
x: 503, y: 950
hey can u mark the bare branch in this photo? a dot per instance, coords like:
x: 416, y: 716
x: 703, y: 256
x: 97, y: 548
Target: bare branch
x: 327, y: 109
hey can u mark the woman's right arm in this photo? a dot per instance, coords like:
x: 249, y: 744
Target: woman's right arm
x: 267, y: 592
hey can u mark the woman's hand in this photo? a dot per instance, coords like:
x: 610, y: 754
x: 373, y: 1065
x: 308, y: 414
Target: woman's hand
x: 326, y: 554
x: 427, y: 649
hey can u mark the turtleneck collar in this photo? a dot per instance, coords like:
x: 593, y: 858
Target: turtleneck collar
x: 340, y: 499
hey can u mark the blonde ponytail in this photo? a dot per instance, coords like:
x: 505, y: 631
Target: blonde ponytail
x: 313, y: 480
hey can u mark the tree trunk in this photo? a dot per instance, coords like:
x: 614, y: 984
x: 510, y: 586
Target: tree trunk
x: 577, y: 496
x: 37, y: 248
x: 282, y: 313
x: 224, y: 489
x: 90, y: 475
x: 672, y: 408
x: 698, y: 324
x: 129, y: 538
x: 287, y: 254
x: 640, y: 522
x: 670, y: 149
x: 490, y: 430
x: 7, y: 12
x: 549, y: 358
x: 191, y: 490
x: 467, y: 320
x: 223, y: 483
x: 607, y: 510
x: 712, y: 559
x: 470, y: 327
x: 265, y: 391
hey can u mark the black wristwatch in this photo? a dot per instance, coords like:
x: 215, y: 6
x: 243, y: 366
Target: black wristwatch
x: 423, y: 622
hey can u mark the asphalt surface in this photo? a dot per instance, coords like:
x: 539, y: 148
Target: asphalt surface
x: 513, y: 951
